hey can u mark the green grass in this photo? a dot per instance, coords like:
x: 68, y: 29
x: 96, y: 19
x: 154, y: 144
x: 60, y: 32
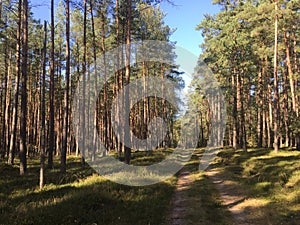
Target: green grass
x: 270, y: 181
x: 79, y: 197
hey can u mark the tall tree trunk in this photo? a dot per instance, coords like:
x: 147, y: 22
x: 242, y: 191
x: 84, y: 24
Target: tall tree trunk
x: 243, y: 125
x: 84, y: 84
x: 118, y: 81
x: 51, y: 93
x: 145, y: 110
x: 12, y: 146
x: 269, y: 115
x: 290, y: 71
x: 234, y: 113
x: 63, y: 157
x: 7, y: 100
x: 293, y: 82
x: 95, y: 119
x: 240, y: 111
x: 286, y: 109
x: 163, y: 102
x: 43, y: 111
x: 296, y: 69
x: 264, y: 111
x: 202, y: 130
x: 259, y: 110
x: 276, y: 95
x: 296, y: 84
x: 264, y: 130
x: 127, y: 73
x: 105, y: 99
x: 23, y: 134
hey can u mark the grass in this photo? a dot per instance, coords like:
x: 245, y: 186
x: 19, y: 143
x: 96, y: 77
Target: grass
x: 78, y: 197
x: 271, y: 182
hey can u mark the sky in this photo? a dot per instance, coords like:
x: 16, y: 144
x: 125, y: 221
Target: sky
x: 183, y: 15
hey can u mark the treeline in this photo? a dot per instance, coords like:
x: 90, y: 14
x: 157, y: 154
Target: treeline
x: 41, y: 65
x: 252, y: 47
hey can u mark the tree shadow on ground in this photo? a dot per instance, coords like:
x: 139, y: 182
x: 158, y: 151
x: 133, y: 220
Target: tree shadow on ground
x: 269, y: 181
x: 79, y: 197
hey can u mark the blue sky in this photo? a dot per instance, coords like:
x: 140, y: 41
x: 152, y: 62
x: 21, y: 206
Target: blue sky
x: 185, y: 16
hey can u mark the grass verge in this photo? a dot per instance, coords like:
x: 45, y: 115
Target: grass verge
x: 79, y: 197
x: 271, y: 182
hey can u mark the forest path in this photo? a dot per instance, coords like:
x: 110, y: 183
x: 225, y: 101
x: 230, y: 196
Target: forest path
x: 231, y: 196
x: 179, y: 204
x: 229, y: 192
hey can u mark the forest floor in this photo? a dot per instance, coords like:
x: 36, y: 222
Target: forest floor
x: 258, y: 187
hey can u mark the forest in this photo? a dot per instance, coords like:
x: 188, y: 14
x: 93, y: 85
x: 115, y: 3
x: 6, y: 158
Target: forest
x: 65, y: 107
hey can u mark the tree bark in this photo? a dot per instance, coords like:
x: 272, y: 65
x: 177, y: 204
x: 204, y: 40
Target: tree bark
x: 7, y: 100
x: 127, y: 73
x: 286, y: 109
x: 234, y: 112
x: 51, y: 93
x: 63, y: 157
x: 23, y: 125
x: 84, y: 84
x: 12, y: 146
x: 259, y: 110
x: 105, y: 98
x: 95, y: 119
x: 276, y: 95
x: 43, y: 111
x: 290, y: 71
